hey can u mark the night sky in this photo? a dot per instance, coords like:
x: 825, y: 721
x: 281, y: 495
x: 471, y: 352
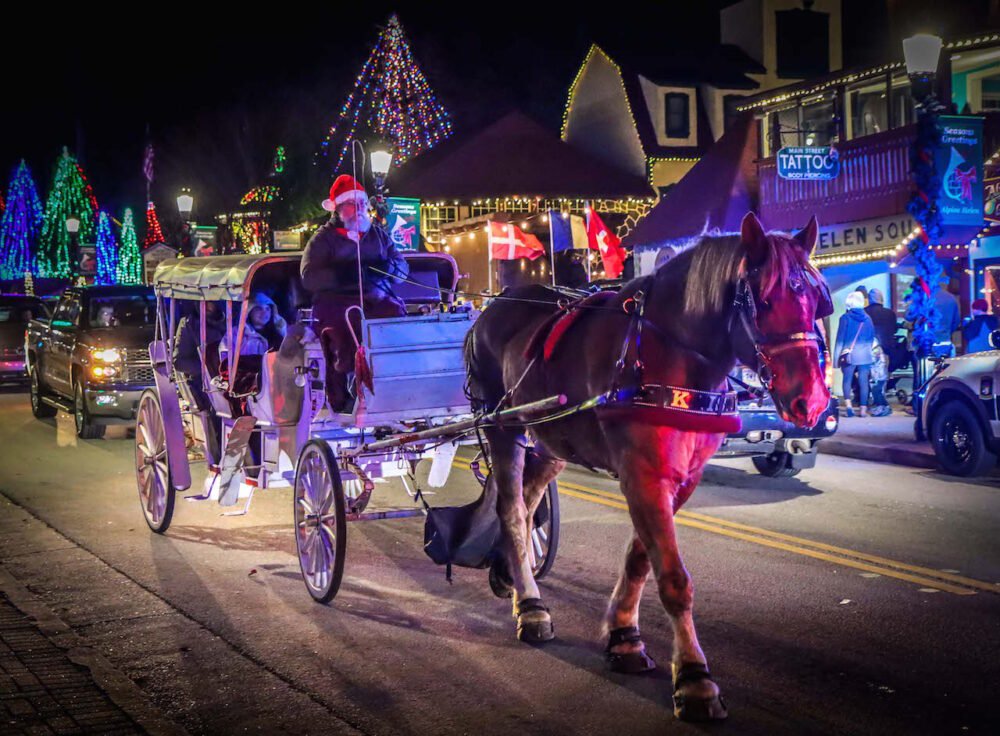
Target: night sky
x: 220, y: 91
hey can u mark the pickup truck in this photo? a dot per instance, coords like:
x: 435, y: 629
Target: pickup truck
x: 16, y: 311
x: 91, y: 358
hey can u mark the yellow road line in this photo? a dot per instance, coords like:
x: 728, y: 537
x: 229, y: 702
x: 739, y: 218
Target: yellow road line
x: 923, y: 576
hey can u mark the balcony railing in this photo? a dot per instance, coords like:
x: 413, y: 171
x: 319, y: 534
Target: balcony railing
x: 874, y: 181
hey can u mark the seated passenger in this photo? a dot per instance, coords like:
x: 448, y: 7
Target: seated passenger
x: 330, y: 271
x: 188, y: 339
x: 105, y: 316
x: 265, y: 328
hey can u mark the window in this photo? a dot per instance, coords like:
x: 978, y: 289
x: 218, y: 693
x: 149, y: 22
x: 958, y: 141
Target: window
x: 819, y: 123
x: 729, y: 112
x: 868, y: 109
x: 901, y: 101
x: 67, y: 312
x: 115, y: 311
x: 803, y: 43
x: 676, y: 105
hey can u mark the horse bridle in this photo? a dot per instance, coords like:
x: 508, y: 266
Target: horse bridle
x: 766, y: 347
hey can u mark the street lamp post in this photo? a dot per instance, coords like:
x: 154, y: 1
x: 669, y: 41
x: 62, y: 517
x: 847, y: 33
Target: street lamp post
x: 381, y: 160
x: 922, y: 53
x: 73, y: 228
x: 185, y: 203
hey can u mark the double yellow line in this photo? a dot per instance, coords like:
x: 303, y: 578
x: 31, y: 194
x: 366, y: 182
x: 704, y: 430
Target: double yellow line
x: 925, y: 577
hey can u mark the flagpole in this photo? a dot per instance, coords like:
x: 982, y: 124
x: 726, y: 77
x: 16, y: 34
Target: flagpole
x: 552, y: 249
x: 489, y: 257
x: 590, y: 209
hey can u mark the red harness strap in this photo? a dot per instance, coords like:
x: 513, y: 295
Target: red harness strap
x: 549, y: 334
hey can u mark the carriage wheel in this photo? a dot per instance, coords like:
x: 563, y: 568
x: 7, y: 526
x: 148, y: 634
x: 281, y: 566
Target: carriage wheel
x: 320, y: 521
x: 152, y: 470
x: 545, y: 532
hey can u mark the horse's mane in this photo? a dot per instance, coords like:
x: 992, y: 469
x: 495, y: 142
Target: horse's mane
x: 717, y: 262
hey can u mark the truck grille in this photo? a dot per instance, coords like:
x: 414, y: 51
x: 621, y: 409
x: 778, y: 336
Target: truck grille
x: 138, y: 368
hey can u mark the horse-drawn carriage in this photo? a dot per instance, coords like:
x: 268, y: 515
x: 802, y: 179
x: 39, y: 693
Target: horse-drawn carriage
x: 265, y: 421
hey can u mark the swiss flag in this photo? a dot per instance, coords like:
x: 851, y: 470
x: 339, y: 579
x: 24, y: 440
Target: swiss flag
x: 508, y: 242
x: 601, y: 239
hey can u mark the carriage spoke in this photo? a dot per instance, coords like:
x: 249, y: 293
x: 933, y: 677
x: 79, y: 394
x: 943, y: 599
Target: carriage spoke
x: 537, y: 546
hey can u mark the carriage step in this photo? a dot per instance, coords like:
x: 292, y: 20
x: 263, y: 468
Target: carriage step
x: 386, y: 514
x: 57, y: 403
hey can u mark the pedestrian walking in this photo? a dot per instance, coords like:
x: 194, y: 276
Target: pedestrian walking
x: 855, y: 338
x: 879, y: 378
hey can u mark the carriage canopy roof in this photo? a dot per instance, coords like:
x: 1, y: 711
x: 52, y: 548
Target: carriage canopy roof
x: 213, y: 278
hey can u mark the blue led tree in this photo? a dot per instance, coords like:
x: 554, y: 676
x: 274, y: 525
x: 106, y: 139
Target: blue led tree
x: 107, y: 251
x: 20, y: 227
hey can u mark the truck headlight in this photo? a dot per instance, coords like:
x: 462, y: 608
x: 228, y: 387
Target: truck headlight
x: 104, y: 371
x: 107, y: 355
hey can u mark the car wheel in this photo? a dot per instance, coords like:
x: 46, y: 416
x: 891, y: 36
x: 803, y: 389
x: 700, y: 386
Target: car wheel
x: 85, y: 427
x: 774, y: 465
x: 959, y: 442
x: 39, y: 408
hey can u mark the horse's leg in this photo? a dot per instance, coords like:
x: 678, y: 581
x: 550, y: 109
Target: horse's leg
x: 652, y: 493
x: 508, y: 455
x: 540, y: 469
x: 625, y: 651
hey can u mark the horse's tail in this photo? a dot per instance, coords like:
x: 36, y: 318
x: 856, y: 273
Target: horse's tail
x: 473, y: 388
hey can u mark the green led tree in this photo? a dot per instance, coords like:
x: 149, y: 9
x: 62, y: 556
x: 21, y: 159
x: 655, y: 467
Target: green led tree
x: 22, y: 221
x: 129, y: 258
x: 70, y: 196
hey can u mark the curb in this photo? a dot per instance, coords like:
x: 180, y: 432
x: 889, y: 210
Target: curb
x: 123, y: 692
x: 890, y: 454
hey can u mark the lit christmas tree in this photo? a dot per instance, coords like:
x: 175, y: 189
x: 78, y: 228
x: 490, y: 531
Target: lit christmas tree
x: 70, y: 196
x: 107, y: 251
x: 21, y: 224
x: 129, y: 258
x: 154, y: 234
x: 392, y: 100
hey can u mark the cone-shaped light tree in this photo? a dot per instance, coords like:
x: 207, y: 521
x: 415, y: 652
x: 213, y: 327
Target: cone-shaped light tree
x: 129, y: 258
x: 20, y: 226
x: 70, y: 196
x: 107, y: 251
x: 391, y: 100
x: 154, y: 234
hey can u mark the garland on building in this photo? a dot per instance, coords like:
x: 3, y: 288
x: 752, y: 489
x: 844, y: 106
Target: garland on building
x: 922, y: 311
x: 20, y: 226
x: 107, y: 252
x: 154, y: 234
x: 129, y: 258
x: 392, y: 100
x: 70, y: 196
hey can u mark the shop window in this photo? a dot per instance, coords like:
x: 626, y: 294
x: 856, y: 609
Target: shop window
x: 819, y: 123
x: 868, y: 109
x: 901, y: 101
x: 784, y: 127
x: 676, y: 106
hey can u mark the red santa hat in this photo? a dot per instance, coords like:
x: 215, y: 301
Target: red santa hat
x: 344, y: 188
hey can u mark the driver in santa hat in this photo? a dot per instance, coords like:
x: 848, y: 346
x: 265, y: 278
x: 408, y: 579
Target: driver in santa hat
x: 330, y: 274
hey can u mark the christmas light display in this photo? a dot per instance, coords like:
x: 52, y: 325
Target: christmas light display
x: 278, y: 165
x: 261, y: 195
x: 70, y: 196
x: 392, y: 99
x: 20, y: 226
x: 154, y: 234
x: 129, y: 258
x: 252, y: 235
x: 107, y: 252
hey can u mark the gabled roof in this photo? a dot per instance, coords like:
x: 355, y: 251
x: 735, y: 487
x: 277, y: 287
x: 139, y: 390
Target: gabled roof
x: 715, y: 194
x: 513, y: 156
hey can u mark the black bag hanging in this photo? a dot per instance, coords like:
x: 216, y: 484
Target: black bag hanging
x: 464, y: 535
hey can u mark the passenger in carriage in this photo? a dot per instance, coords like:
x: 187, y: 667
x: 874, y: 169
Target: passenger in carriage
x: 265, y: 328
x: 330, y: 271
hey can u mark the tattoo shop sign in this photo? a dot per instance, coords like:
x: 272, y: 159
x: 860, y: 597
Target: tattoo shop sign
x: 854, y: 237
x: 808, y: 163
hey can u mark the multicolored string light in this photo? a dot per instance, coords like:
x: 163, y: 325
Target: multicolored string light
x: 70, y: 196
x: 129, y: 259
x: 261, y: 195
x: 154, y: 234
x: 107, y: 251
x: 392, y: 97
x: 20, y: 226
x: 280, y: 158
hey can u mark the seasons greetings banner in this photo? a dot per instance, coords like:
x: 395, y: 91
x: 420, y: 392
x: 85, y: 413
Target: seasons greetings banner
x: 959, y: 161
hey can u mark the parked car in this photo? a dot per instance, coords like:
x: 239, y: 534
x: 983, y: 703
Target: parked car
x: 16, y: 311
x: 777, y: 448
x: 959, y: 412
x: 91, y: 358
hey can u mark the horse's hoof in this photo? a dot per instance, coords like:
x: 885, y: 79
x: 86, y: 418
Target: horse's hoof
x: 630, y: 663
x: 696, y: 696
x: 537, y: 630
x: 700, y: 710
x: 501, y: 583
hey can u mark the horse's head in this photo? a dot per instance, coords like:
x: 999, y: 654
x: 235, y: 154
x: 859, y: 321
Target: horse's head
x: 780, y: 296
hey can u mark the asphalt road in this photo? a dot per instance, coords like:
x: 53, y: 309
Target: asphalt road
x: 856, y: 598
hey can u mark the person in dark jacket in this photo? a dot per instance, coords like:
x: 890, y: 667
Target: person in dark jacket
x: 883, y: 319
x: 977, y: 329
x: 330, y: 271
x: 188, y: 339
x: 853, y: 349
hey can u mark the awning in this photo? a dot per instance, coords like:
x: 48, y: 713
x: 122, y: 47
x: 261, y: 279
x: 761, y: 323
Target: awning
x: 213, y: 278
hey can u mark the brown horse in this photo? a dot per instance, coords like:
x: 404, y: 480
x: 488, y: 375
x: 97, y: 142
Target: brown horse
x: 751, y: 297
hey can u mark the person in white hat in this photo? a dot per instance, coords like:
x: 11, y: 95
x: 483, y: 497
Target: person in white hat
x: 330, y: 273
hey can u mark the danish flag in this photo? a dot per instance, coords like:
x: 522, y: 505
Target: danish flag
x: 601, y: 239
x: 507, y: 242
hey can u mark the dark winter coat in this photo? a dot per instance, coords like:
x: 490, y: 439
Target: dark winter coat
x: 854, y: 322
x: 330, y: 262
x: 885, y: 324
x: 188, y: 339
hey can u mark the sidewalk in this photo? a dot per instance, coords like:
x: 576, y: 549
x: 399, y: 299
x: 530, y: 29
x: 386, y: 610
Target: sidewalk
x: 880, y: 439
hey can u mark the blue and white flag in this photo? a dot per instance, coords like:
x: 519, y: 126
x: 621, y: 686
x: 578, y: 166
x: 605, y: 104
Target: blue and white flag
x: 569, y: 232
